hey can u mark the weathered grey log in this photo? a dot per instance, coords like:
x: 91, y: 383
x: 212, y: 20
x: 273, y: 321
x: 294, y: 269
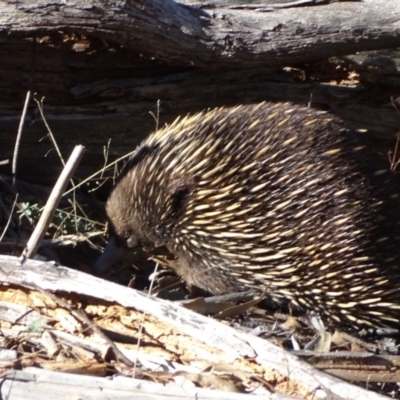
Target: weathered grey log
x: 184, y: 35
x: 34, y: 383
x: 102, y: 66
x: 211, y: 336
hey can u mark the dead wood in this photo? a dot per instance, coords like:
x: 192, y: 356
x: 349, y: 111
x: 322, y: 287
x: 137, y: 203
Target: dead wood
x: 33, y: 383
x: 102, y: 66
x: 179, y: 333
x: 185, y: 35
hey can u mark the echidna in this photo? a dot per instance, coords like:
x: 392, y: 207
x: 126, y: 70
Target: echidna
x: 272, y: 196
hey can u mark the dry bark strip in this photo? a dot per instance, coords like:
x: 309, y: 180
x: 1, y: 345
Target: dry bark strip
x: 185, y: 35
x: 207, y: 335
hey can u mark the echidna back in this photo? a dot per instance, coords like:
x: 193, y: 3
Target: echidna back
x: 269, y: 196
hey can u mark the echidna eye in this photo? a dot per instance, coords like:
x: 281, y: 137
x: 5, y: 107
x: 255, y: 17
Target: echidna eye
x: 131, y: 242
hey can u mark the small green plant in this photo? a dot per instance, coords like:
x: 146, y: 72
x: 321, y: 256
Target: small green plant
x: 29, y: 211
x: 65, y: 222
x: 68, y: 222
x: 36, y: 326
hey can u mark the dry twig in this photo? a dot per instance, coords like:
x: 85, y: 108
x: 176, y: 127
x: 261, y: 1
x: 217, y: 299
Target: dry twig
x: 52, y: 203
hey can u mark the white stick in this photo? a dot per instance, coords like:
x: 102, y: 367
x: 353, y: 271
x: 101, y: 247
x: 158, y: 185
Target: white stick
x: 52, y: 203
